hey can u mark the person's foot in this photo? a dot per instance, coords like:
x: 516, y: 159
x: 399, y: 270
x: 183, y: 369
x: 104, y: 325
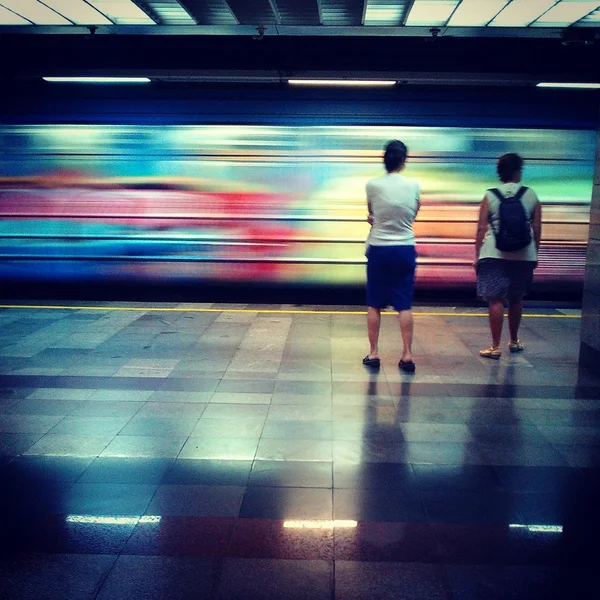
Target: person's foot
x: 371, y: 360
x: 493, y: 352
x: 516, y: 346
x: 408, y: 366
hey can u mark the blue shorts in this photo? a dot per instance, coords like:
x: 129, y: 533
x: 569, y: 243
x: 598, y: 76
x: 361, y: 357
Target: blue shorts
x: 391, y: 276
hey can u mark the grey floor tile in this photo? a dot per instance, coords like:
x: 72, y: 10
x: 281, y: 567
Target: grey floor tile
x: 229, y: 428
x: 159, y: 577
x: 388, y: 581
x: 240, y: 398
x: 295, y: 449
x: 90, y: 425
x: 51, y: 576
x: 13, y: 444
x: 197, y: 500
x: 220, y: 448
x: 108, y: 408
x: 28, y: 423
x: 264, y: 579
x: 235, y: 411
x: 159, y: 426
x: 108, y: 499
x: 70, y: 445
x: 142, y: 446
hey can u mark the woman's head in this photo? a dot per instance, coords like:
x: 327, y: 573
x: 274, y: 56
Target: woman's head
x: 395, y: 155
x: 509, y: 168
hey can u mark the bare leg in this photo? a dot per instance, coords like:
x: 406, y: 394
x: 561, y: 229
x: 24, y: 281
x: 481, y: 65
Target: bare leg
x: 496, y: 316
x: 373, y: 324
x: 405, y: 319
x: 515, y: 312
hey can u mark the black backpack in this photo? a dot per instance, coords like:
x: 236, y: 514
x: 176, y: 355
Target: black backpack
x: 514, y: 230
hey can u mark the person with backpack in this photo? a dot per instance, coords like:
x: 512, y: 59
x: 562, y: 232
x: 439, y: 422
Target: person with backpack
x: 506, y: 249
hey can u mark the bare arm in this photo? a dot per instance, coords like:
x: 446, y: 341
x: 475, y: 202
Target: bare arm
x: 482, y: 225
x: 536, y: 225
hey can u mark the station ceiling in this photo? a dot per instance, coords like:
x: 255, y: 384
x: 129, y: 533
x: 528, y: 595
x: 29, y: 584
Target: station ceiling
x: 518, y: 18
x: 462, y: 42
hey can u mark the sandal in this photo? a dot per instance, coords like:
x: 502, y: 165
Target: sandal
x: 516, y: 346
x: 407, y: 365
x: 491, y: 352
x: 371, y: 362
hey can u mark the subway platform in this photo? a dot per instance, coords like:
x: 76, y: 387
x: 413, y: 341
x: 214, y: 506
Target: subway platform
x: 202, y: 451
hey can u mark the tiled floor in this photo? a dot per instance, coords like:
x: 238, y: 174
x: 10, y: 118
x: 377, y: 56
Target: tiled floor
x: 204, y: 452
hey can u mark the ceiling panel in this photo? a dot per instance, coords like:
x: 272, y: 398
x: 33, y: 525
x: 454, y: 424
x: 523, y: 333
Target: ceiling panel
x: 388, y: 13
x: 210, y: 12
x: 431, y: 12
x: 342, y: 12
x: 78, y: 11
x: 8, y: 17
x: 566, y: 13
x: 294, y: 12
x: 254, y: 12
x: 592, y: 20
x: 122, y: 12
x: 475, y: 13
x: 165, y: 12
x: 35, y: 12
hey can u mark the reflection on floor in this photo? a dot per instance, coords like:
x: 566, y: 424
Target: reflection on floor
x: 217, y: 452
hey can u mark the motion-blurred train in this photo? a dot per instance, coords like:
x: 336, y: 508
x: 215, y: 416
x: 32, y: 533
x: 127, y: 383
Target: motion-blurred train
x: 268, y: 203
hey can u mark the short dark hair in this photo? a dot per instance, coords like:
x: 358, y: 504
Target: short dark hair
x: 508, y: 166
x: 395, y: 155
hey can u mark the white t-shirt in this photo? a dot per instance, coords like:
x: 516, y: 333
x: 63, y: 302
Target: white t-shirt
x: 394, y: 201
x: 529, y: 201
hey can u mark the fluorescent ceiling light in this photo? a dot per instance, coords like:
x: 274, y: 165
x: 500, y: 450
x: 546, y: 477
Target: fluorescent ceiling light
x: 384, y: 12
x: 431, y: 12
x: 78, y: 11
x: 35, y: 11
x: 341, y: 82
x: 97, y: 79
x: 520, y: 13
x: 538, y: 528
x: 122, y: 12
x: 574, y: 86
x: 90, y: 519
x: 171, y: 12
x: 566, y: 13
x: 7, y: 17
x: 476, y: 13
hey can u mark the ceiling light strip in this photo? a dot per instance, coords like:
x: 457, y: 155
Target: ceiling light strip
x: 97, y: 79
x: 343, y: 82
x: 122, y: 12
x: 574, y: 86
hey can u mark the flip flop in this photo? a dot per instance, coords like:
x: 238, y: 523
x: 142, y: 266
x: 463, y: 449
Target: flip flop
x: 408, y: 366
x: 371, y: 362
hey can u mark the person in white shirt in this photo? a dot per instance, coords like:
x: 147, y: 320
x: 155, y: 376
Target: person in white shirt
x: 393, y: 203
x: 504, y: 276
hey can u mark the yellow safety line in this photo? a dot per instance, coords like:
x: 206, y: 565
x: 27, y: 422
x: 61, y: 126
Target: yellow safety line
x: 268, y: 311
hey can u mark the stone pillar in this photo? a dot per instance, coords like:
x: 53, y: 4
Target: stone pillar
x: 589, y: 355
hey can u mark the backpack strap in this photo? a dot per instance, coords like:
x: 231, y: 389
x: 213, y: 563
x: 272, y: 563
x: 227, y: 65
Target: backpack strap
x: 497, y: 193
x: 517, y: 196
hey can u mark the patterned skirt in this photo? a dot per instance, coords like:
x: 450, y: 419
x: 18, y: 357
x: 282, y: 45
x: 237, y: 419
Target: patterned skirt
x: 503, y: 279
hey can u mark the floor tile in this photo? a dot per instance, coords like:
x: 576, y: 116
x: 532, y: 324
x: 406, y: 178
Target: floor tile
x: 197, y: 500
x: 138, y: 446
x: 277, y: 539
x: 182, y: 535
x: 70, y: 445
x: 126, y: 470
x: 162, y: 426
x: 378, y: 505
x: 220, y: 448
x: 108, y: 499
x: 208, y: 472
x: 90, y: 425
x: 286, y: 503
x: 50, y: 576
x: 292, y: 449
x: 265, y: 579
x: 291, y: 474
x: 229, y: 428
x: 388, y: 581
x: 157, y: 577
